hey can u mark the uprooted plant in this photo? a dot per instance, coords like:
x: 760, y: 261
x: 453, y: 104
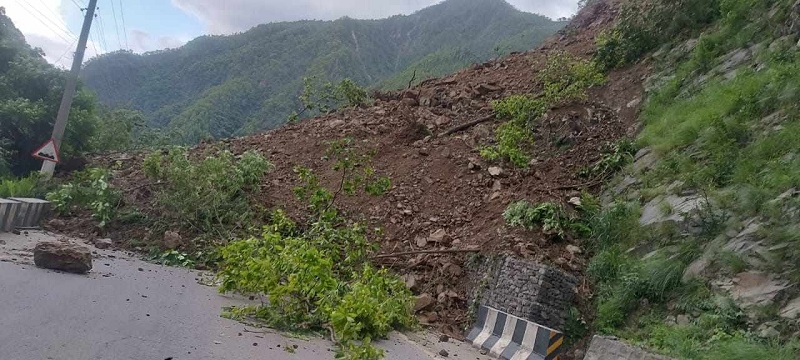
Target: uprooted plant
x: 209, y: 195
x: 317, y: 275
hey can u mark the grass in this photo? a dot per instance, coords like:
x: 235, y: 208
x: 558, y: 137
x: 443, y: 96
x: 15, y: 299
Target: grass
x: 30, y: 186
x: 735, y: 141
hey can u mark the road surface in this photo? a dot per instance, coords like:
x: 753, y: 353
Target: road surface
x: 126, y: 308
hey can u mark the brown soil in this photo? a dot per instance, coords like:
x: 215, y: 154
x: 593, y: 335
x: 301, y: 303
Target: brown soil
x: 441, y: 182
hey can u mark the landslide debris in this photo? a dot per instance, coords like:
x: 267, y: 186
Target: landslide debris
x: 444, y: 196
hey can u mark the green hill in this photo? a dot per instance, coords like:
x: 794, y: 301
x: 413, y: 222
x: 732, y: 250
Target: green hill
x: 220, y: 86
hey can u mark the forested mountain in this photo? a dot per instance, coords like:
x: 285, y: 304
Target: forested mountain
x: 218, y: 86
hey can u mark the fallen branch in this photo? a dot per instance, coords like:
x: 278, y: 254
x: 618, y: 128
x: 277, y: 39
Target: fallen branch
x: 451, y: 251
x: 467, y: 125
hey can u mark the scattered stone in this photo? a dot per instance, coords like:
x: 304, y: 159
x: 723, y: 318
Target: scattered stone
x: 572, y: 249
x: 172, y: 240
x: 575, y: 201
x: 792, y: 310
x: 682, y: 320
x: 421, y: 241
x: 444, y: 353
x: 423, y: 302
x: 768, y: 332
x: 495, y: 171
x: 104, y: 243
x: 62, y: 256
x: 757, y: 289
x: 484, y: 352
x: 444, y: 338
x: 410, y: 280
x: 645, y: 160
x: 473, y: 166
x: 439, y: 236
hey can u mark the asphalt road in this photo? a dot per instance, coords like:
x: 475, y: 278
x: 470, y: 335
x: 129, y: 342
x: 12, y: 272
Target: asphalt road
x: 130, y: 309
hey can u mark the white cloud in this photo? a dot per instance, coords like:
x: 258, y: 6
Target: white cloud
x: 224, y: 17
x: 143, y: 41
x: 42, y: 22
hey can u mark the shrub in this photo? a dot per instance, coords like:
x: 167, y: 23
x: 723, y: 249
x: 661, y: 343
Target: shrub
x: 567, y: 78
x: 30, y: 186
x: 551, y: 217
x: 322, y: 98
x: 210, y: 195
x: 90, y: 189
x: 612, y: 159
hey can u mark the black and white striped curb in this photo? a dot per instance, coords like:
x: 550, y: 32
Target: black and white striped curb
x: 8, y: 214
x: 511, y: 338
x: 22, y: 213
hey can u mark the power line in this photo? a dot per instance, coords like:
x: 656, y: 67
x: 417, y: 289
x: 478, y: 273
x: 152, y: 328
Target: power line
x: 80, y: 7
x: 124, y: 27
x: 64, y: 28
x: 59, y: 33
x: 102, y: 32
x: 116, y: 24
x: 66, y: 52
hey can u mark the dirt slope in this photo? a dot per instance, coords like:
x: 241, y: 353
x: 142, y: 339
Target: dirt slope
x: 439, y: 181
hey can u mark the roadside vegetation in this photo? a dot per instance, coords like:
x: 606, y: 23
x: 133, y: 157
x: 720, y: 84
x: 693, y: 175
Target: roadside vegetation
x: 729, y: 136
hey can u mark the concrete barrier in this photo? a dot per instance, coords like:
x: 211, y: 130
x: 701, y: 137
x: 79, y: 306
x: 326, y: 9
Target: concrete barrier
x: 8, y: 214
x: 512, y: 338
x: 31, y: 212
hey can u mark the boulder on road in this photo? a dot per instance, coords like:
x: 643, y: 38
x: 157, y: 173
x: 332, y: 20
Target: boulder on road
x: 62, y: 256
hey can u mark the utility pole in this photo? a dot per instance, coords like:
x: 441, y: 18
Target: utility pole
x: 48, y: 167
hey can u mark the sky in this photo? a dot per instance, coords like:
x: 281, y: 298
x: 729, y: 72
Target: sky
x: 148, y: 25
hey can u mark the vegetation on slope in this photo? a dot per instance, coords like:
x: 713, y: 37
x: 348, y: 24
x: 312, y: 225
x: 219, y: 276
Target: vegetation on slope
x: 724, y: 129
x: 218, y: 86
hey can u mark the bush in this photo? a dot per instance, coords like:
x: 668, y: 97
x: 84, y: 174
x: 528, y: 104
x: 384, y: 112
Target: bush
x: 551, y: 217
x: 211, y: 195
x: 30, y: 186
x: 90, y: 189
x: 322, y: 98
x: 613, y: 158
x: 567, y: 78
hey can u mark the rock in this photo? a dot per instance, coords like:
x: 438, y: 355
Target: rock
x: 484, y: 351
x: 103, y: 243
x: 444, y: 353
x: 696, y: 269
x: 757, y: 289
x: 172, y: 240
x: 439, y: 236
x: 633, y: 103
x: 423, y: 302
x: 453, y: 269
x: 645, y: 160
x: 684, y: 211
x: 444, y: 338
x: 410, y: 280
x: 575, y: 201
x: 62, y: 256
x: 495, y: 171
x: 792, y: 310
x: 572, y: 249
x: 768, y: 332
x: 421, y: 241
x: 682, y: 320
